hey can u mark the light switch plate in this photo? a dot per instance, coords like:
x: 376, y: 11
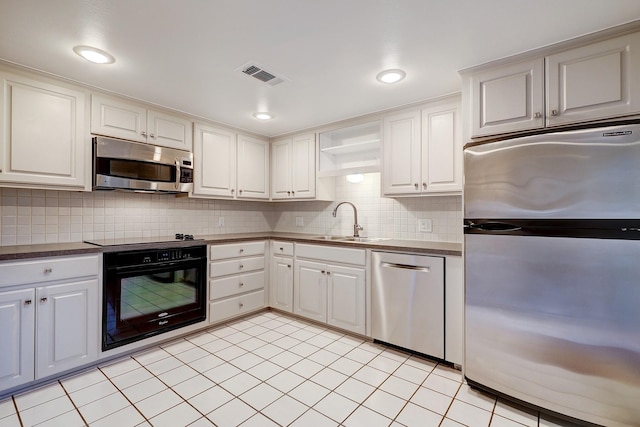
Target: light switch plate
x: 299, y: 221
x: 424, y: 226
x: 221, y: 221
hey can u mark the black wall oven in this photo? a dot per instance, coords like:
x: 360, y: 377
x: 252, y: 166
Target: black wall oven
x: 149, y: 292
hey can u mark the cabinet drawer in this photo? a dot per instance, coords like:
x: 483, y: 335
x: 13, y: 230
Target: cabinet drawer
x: 233, y: 285
x: 281, y: 248
x: 223, y: 268
x: 235, y: 250
x: 235, y: 306
x: 331, y: 254
x: 47, y: 270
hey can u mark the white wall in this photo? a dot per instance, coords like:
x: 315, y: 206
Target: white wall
x: 38, y: 216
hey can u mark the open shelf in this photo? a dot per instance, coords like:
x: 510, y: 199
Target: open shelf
x: 350, y: 149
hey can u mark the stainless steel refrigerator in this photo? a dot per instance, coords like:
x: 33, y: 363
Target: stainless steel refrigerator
x: 552, y: 271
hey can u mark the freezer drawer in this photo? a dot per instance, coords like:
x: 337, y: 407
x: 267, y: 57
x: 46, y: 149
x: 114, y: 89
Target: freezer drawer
x: 407, y: 301
x: 555, y: 322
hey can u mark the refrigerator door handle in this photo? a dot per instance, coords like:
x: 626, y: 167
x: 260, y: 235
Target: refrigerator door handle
x: 495, y: 226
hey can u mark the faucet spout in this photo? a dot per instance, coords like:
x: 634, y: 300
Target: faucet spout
x: 356, y: 227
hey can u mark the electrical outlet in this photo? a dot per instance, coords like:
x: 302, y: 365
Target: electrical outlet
x: 221, y: 221
x: 299, y: 221
x: 424, y: 226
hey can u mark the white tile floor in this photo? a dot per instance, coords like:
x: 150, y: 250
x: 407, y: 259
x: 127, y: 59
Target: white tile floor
x: 265, y: 370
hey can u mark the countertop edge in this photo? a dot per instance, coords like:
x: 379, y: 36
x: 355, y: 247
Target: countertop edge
x: 22, y: 252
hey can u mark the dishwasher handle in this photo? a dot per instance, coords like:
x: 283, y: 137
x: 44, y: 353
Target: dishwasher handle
x: 405, y: 267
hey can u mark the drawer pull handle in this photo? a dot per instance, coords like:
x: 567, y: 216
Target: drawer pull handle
x: 43, y: 299
x: 282, y: 249
x: 322, y: 271
x: 27, y: 302
x: 241, y: 250
x: 288, y: 265
x: 241, y: 266
x: 48, y: 270
x: 241, y: 284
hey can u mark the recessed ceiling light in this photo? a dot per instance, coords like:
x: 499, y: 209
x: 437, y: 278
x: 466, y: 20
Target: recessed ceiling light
x: 263, y: 115
x: 391, y: 76
x: 94, y: 55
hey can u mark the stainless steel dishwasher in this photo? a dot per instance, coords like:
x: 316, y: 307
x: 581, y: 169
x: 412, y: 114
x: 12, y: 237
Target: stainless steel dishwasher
x: 408, y: 301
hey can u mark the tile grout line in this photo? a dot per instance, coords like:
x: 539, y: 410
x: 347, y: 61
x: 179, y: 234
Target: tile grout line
x: 74, y: 404
x: 15, y: 406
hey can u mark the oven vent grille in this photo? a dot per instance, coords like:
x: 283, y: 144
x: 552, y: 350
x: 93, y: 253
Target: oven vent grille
x: 258, y: 72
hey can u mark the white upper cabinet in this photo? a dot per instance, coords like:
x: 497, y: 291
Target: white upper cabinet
x: 214, y: 153
x: 557, y: 86
x: 508, y: 99
x: 228, y: 165
x: 401, y: 154
x: 253, y: 168
x: 422, y: 150
x: 293, y: 169
x: 120, y: 119
x: 43, y: 139
x: 592, y: 82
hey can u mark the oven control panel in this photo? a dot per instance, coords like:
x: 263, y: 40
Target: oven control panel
x: 154, y: 256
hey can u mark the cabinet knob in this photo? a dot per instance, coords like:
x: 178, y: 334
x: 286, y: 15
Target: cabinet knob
x: 293, y: 193
x: 322, y: 271
x: 241, y: 284
x: 416, y: 185
x: 288, y: 265
x: 282, y: 249
x: 328, y: 273
x: 241, y: 266
x: 43, y: 299
x: 241, y: 305
x: 424, y: 185
x: 288, y: 193
x: 537, y: 115
x: 143, y: 133
x: 241, y: 250
x: 152, y: 135
x: 27, y: 302
x: 555, y: 112
x: 48, y: 270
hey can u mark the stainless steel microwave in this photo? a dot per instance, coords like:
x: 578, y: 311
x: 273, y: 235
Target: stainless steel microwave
x: 125, y: 165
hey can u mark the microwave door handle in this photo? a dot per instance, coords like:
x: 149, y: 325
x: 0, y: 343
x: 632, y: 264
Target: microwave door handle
x: 177, y: 174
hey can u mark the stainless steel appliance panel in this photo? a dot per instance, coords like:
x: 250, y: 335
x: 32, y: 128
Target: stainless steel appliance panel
x: 127, y: 165
x: 407, y: 301
x: 590, y: 173
x: 556, y: 322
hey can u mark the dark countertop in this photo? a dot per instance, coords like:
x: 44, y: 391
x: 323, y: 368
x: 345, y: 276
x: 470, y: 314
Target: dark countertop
x: 80, y: 248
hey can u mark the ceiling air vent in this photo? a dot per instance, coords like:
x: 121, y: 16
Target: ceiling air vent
x: 257, y: 72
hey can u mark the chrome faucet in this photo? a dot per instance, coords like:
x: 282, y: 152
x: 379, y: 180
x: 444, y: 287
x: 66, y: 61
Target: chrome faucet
x: 356, y: 227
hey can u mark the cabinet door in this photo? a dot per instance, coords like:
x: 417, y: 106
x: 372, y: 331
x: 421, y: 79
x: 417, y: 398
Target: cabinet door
x: 281, y: 169
x: 169, y: 131
x: 508, y: 98
x: 303, y: 167
x: 346, y: 300
x: 281, y: 285
x: 401, y: 154
x: 214, y: 152
x: 310, y: 290
x: 442, y: 149
x: 112, y: 117
x: 594, y: 82
x: 44, y: 143
x: 67, y: 326
x: 17, y: 314
x: 253, y: 168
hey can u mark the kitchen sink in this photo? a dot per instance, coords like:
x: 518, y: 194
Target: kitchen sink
x: 351, y: 239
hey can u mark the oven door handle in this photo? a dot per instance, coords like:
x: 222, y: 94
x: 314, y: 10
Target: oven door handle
x: 146, y: 268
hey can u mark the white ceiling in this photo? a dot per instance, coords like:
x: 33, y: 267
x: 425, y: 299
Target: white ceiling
x: 185, y: 54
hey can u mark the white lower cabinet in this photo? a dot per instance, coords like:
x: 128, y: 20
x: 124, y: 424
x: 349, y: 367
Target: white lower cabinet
x: 236, y: 279
x: 49, y: 325
x: 326, y: 291
x: 281, y: 283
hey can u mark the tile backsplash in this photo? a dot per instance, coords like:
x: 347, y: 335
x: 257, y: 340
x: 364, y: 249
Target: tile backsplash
x: 45, y: 216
